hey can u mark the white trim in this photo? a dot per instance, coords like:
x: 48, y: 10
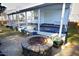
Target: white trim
x: 62, y: 18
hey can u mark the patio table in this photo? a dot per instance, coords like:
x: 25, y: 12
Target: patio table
x: 37, y: 48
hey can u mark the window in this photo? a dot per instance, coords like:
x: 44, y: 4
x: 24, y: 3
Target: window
x: 22, y: 16
x: 29, y: 15
x: 35, y: 14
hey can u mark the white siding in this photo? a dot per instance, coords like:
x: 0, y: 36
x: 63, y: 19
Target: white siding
x: 74, y: 16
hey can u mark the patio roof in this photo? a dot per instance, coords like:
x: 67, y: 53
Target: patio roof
x: 39, y: 6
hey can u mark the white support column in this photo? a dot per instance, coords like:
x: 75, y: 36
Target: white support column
x: 38, y: 20
x: 62, y: 18
x: 17, y: 18
x: 26, y: 19
x: 13, y: 24
x: 8, y: 20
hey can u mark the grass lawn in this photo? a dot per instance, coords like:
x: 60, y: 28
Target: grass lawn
x: 73, y: 35
x: 7, y: 32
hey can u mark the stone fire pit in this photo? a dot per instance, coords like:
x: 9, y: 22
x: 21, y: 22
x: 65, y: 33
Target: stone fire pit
x: 38, y: 40
x: 37, y: 43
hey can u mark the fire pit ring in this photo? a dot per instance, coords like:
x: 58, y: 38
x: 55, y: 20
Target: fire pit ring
x: 44, y: 44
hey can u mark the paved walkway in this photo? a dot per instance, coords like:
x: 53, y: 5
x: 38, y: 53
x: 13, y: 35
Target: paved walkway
x: 11, y: 46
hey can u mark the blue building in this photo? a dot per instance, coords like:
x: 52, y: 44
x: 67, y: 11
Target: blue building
x: 46, y: 19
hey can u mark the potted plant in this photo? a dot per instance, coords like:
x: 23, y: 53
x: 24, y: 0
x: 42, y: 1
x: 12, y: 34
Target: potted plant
x: 57, y: 41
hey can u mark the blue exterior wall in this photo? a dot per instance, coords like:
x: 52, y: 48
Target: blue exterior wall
x: 52, y: 15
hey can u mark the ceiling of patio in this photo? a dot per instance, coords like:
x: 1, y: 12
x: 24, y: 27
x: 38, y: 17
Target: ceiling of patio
x: 11, y: 7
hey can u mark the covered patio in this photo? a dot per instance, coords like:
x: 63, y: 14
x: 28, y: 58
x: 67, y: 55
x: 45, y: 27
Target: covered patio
x: 46, y: 19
